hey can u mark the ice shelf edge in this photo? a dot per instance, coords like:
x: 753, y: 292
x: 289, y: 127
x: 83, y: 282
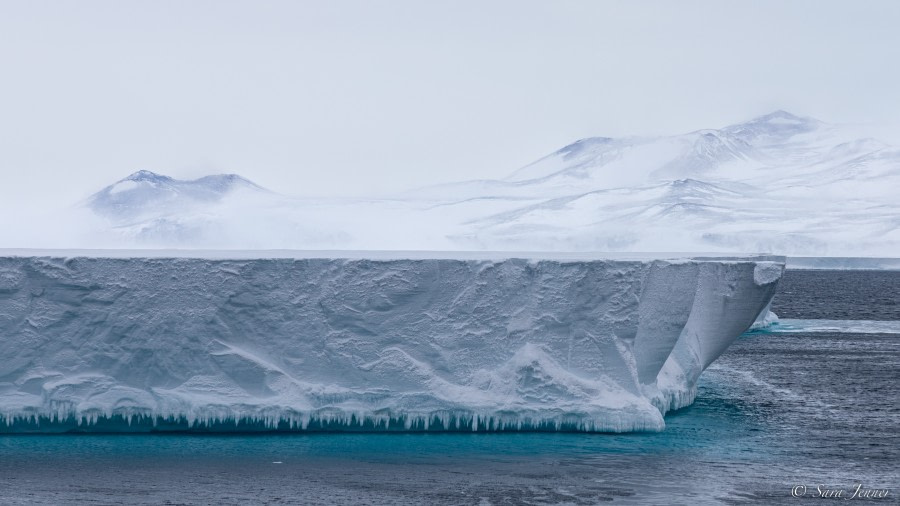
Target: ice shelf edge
x: 275, y: 344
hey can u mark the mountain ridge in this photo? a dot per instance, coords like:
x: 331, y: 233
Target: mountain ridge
x: 779, y: 182
x: 132, y: 195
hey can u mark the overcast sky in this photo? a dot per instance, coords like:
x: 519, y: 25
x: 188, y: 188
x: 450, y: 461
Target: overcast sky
x: 346, y: 97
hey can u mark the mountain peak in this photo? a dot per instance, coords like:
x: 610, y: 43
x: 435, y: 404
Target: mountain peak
x: 781, y: 113
x: 778, y: 124
x: 783, y: 117
x: 146, y: 175
x: 226, y: 180
x: 220, y: 181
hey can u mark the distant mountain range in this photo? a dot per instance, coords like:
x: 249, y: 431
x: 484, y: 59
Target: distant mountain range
x: 778, y: 183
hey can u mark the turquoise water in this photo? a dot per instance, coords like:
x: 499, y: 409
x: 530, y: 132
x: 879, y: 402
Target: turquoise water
x: 703, y: 429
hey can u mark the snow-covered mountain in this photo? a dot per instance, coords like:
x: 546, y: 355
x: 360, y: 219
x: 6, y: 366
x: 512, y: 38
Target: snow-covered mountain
x: 779, y: 183
x: 145, y: 192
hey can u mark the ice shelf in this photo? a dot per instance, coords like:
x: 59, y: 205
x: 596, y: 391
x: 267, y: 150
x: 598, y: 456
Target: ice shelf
x: 288, y: 341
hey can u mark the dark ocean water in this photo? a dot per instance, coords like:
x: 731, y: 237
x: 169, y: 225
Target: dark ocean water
x: 801, y: 405
x: 839, y: 295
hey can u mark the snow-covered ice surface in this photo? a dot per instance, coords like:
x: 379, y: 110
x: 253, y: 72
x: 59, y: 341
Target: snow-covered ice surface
x: 126, y: 341
x: 778, y: 183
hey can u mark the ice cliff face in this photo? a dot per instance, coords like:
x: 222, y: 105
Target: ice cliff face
x: 394, y: 342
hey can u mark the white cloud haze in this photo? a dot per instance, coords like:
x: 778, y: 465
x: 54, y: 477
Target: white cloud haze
x: 356, y: 97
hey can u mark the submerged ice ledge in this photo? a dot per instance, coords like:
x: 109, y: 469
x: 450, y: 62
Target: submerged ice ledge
x: 128, y: 341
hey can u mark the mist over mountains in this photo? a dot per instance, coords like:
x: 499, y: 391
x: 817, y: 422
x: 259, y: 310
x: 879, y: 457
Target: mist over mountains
x: 778, y: 183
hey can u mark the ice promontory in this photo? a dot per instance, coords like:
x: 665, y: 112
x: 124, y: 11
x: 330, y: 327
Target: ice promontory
x: 363, y: 341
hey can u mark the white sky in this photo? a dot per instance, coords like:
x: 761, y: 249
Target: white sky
x: 354, y: 97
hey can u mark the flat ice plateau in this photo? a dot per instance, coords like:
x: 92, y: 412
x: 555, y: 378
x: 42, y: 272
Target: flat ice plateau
x: 134, y: 341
